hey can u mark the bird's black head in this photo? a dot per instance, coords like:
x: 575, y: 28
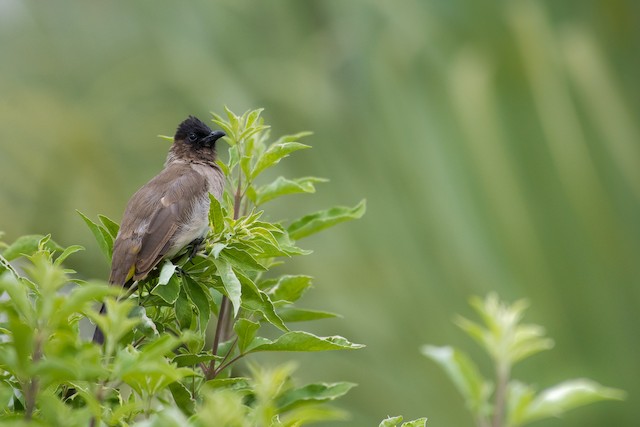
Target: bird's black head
x: 194, y: 132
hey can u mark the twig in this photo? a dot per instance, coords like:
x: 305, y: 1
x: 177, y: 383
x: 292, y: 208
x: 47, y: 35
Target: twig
x: 229, y: 363
x: 217, y: 339
x: 139, y: 341
x: 226, y: 356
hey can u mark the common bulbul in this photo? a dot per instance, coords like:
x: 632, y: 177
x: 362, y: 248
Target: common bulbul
x: 170, y: 211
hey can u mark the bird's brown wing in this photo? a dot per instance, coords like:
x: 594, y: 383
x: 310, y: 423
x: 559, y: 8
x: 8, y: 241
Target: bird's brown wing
x: 157, y: 240
x: 153, y: 216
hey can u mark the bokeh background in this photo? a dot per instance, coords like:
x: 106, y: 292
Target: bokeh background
x: 496, y: 142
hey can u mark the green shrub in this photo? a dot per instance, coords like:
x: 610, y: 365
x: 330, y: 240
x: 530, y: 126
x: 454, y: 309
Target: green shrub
x: 158, y: 365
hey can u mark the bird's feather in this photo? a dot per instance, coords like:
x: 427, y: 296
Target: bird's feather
x: 154, y: 219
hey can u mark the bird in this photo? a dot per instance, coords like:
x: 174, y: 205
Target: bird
x: 171, y: 210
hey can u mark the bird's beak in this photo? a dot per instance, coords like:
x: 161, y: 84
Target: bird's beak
x: 214, y: 136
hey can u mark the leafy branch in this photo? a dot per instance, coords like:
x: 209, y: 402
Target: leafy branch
x: 160, y: 340
x: 507, y: 341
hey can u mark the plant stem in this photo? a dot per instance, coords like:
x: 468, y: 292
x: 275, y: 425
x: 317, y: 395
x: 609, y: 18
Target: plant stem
x: 237, y: 199
x: 30, y: 398
x: 222, y: 334
x: 31, y: 390
x: 99, y: 399
x: 230, y: 362
x: 222, y: 315
x: 502, y: 380
x: 226, y: 356
x: 139, y: 341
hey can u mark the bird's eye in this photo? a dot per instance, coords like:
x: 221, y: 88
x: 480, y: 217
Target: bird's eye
x: 193, y: 137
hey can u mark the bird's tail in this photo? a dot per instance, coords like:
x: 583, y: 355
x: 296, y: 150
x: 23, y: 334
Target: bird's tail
x: 122, y: 271
x: 98, y: 336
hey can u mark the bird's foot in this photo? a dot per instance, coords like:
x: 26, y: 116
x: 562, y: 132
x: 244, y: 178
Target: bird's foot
x: 196, y: 246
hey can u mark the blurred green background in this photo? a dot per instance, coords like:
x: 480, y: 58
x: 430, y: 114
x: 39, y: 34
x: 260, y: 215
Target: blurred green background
x: 497, y: 144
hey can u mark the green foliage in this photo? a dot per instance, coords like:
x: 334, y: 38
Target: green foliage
x: 395, y: 421
x: 174, y: 341
x: 507, y: 341
x: 318, y: 221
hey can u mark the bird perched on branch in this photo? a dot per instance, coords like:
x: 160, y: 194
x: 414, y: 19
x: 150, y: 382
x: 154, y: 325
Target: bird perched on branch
x: 170, y: 211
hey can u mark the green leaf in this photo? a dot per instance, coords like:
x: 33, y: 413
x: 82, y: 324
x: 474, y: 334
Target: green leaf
x: 313, y: 393
x: 277, y: 151
x: 230, y: 282
x: 311, y: 414
x: 394, y: 421
x: 216, y: 216
x: 463, y: 373
x: 183, y: 310
x: 283, y: 186
x: 27, y: 245
x: 194, y: 359
x: 216, y: 248
x: 5, y: 265
x: 254, y: 299
x: 246, y: 331
x: 529, y: 340
x: 167, y: 270
x: 78, y: 299
x: 6, y: 392
x: 321, y: 220
x: 236, y: 383
x: 245, y: 164
x: 45, y: 278
x: 293, y: 314
x: 200, y: 299
x: 241, y: 259
x: 252, y: 126
x: 145, y: 325
x: 502, y: 335
x: 169, y: 417
x: 234, y: 157
x: 250, y: 133
x: 556, y: 400
x: 223, y: 167
x: 233, y: 118
x: 67, y: 252
x: 304, y: 341
x: 62, y: 364
x: 18, y: 295
x: 23, y: 340
x: 519, y: 398
x: 290, y: 288
x: 100, y: 234
x: 183, y: 398
x: 147, y: 370
x: 169, y: 284
x: 111, y: 226
x: 53, y: 412
x: 265, y: 243
x: 420, y: 422
x: 115, y: 323
x: 390, y: 422
x: 226, y: 127
x: 253, y: 117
